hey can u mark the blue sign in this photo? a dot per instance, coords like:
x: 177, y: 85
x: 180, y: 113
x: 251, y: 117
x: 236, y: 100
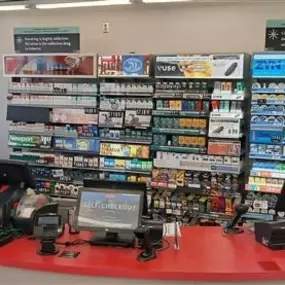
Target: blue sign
x: 133, y: 65
x: 73, y: 144
x: 268, y: 65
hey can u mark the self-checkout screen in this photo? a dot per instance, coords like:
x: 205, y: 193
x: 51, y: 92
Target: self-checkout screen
x: 109, y: 210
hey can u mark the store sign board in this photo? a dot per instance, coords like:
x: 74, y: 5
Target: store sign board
x: 47, y: 40
x: 224, y: 128
x: 124, y: 65
x: 72, y: 144
x: 50, y: 65
x: 30, y: 141
x: 275, y: 35
x: 124, y: 150
x: 268, y: 65
x: 220, y: 66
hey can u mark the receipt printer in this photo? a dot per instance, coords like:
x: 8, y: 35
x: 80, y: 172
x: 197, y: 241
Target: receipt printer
x: 271, y: 234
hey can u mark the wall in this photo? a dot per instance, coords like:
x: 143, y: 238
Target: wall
x: 146, y: 28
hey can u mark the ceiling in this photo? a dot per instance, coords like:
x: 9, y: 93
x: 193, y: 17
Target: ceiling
x: 31, y: 2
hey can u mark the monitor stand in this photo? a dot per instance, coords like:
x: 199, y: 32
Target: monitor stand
x: 113, y: 239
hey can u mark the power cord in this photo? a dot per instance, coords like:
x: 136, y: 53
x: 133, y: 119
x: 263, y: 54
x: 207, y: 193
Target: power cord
x: 73, y: 243
x: 167, y: 246
x: 11, y: 231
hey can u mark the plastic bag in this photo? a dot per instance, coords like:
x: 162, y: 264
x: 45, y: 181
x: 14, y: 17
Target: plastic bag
x: 30, y: 202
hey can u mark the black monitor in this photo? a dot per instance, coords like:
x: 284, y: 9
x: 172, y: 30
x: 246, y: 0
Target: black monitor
x: 113, y: 214
x: 121, y: 185
x: 16, y: 173
x: 280, y: 205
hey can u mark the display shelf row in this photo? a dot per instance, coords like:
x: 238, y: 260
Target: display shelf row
x: 268, y: 90
x: 220, y: 164
x: 74, y: 135
x: 52, y: 88
x: 179, y: 149
x: 184, y: 131
x: 215, y: 66
x: 263, y: 188
x: 51, y: 106
x: 169, y: 113
x: 270, y: 173
x: 267, y: 102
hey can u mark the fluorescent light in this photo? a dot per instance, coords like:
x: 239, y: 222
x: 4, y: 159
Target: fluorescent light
x: 82, y: 4
x: 164, y: 1
x: 13, y: 7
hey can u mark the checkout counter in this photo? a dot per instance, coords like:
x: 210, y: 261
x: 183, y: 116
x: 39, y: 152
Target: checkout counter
x: 205, y: 255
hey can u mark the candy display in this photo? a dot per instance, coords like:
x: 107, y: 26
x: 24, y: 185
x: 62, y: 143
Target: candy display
x: 190, y: 208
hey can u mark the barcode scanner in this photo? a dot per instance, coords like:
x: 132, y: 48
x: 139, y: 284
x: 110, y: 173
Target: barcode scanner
x: 231, y: 228
x: 142, y: 233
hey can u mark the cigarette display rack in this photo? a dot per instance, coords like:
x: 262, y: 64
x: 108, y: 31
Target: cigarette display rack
x: 266, y: 138
x: 53, y: 114
x: 198, y: 136
x: 126, y: 103
x: 175, y: 122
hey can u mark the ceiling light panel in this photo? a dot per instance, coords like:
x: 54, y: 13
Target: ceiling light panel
x: 13, y: 7
x: 164, y: 1
x: 83, y: 4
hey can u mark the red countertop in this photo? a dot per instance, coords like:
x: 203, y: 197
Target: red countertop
x: 204, y: 255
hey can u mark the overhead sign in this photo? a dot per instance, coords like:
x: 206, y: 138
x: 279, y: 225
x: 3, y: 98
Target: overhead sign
x: 124, y: 65
x: 220, y: 66
x: 275, y: 35
x: 49, y: 65
x: 47, y: 40
x: 268, y: 65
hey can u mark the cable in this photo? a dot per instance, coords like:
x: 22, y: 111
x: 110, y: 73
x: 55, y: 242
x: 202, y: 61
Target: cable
x: 165, y: 247
x: 73, y: 243
x: 11, y: 231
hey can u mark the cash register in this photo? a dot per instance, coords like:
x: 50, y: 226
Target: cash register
x: 15, y: 178
x: 272, y: 234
